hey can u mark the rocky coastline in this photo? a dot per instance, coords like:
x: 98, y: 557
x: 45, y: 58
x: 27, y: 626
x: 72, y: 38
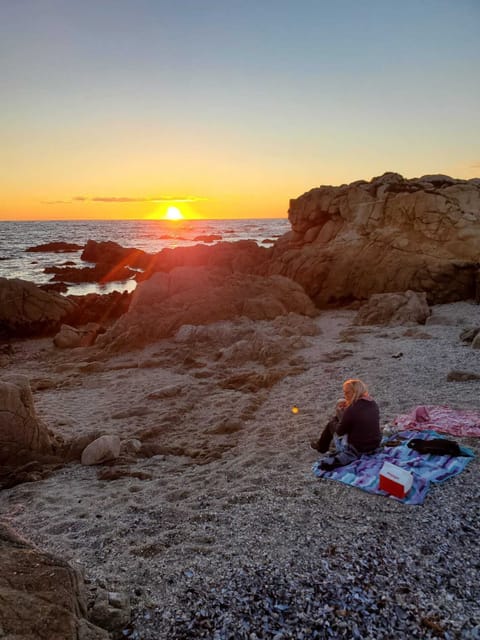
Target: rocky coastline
x: 148, y: 439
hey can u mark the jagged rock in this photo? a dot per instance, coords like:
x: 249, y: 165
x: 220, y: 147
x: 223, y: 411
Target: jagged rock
x: 476, y: 342
x: 389, y: 234
x: 56, y: 247
x: 100, y: 273
x: 56, y: 287
x: 111, y: 609
x: 100, y: 308
x: 41, y: 596
x: 113, y: 255
x: 71, y: 337
x: 394, y: 309
x: 468, y: 335
x: 26, y: 310
x: 130, y: 447
x: 243, y: 256
x: 201, y: 296
x: 101, y: 450
x: 21, y: 433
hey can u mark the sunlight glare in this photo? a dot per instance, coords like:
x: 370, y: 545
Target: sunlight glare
x: 173, y: 213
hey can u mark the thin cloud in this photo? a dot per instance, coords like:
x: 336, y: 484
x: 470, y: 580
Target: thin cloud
x: 122, y: 199
x: 475, y: 166
x: 115, y: 199
x: 56, y: 202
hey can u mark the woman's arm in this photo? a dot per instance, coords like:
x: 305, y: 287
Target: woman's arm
x: 345, y: 421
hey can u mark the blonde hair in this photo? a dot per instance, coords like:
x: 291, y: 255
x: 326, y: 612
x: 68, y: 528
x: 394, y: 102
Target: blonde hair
x: 353, y: 390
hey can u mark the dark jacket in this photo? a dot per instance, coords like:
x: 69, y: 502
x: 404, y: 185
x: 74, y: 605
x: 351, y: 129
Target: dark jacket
x: 361, y: 423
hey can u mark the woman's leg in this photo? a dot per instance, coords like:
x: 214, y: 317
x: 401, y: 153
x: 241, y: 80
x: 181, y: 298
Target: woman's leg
x: 345, y: 454
x: 323, y: 443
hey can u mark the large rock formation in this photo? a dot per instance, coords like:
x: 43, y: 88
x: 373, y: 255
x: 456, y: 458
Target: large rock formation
x: 200, y: 296
x: 389, y: 234
x: 41, y: 595
x: 22, y: 435
x: 26, y: 310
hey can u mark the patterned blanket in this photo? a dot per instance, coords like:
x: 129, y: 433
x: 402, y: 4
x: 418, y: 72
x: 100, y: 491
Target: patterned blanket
x: 443, y: 419
x: 364, y: 472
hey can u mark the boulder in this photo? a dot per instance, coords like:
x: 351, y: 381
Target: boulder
x: 476, y: 342
x: 201, y: 296
x: 71, y: 337
x: 67, y: 338
x: 27, y: 311
x: 41, y: 595
x: 389, y: 234
x: 102, y: 449
x: 394, y: 309
x: 22, y: 435
x: 99, y: 308
x: 111, y: 609
x: 468, y: 335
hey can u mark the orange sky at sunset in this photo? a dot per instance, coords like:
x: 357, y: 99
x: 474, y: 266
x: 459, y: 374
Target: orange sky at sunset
x: 119, y: 110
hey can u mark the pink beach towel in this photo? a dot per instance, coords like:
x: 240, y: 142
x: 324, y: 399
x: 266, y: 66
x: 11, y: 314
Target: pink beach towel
x: 456, y: 422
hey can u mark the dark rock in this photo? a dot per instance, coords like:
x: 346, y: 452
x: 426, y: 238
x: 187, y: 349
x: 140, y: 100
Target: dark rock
x: 468, y: 335
x: 207, y: 238
x: 462, y: 376
x: 42, y: 596
x: 27, y: 311
x: 95, y: 307
x: 243, y: 256
x: 55, y: 247
x: 114, y: 255
x: 101, y: 273
x: 57, y: 287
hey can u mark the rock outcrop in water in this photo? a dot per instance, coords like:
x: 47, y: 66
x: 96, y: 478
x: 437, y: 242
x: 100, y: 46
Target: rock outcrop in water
x: 389, y: 234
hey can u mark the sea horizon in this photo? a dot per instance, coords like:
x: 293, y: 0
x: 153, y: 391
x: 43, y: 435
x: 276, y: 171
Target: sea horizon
x: 150, y: 235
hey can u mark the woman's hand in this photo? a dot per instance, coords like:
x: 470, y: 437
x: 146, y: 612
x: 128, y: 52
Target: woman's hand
x: 340, y: 408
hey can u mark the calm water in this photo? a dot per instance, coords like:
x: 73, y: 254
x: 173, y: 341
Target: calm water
x: 150, y: 235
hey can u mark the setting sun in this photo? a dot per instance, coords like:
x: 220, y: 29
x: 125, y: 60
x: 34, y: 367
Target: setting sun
x: 173, y: 213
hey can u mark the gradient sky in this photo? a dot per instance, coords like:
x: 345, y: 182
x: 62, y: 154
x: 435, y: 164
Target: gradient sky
x: 116, y: 108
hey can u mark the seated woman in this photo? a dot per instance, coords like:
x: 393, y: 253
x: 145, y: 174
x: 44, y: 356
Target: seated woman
x: 355, y: 429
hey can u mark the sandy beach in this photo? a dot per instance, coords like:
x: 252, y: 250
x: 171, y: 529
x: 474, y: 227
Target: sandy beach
x: 227, y: 505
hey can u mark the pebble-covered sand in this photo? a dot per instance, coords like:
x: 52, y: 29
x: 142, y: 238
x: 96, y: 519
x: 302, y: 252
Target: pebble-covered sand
x: 226, y: 533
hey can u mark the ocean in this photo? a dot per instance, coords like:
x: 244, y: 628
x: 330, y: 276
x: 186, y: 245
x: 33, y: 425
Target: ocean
x: 150, y: 235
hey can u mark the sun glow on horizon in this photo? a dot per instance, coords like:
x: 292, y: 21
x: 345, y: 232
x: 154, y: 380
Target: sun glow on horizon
x: 174, y: 213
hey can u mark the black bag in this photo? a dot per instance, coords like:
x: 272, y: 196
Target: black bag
x: 436, y: 446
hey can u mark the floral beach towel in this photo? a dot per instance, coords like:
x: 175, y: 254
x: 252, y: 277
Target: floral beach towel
x: 455, y: 422
x: 364, y: 473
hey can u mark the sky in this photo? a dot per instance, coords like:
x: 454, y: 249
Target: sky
x: 228, y: 108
